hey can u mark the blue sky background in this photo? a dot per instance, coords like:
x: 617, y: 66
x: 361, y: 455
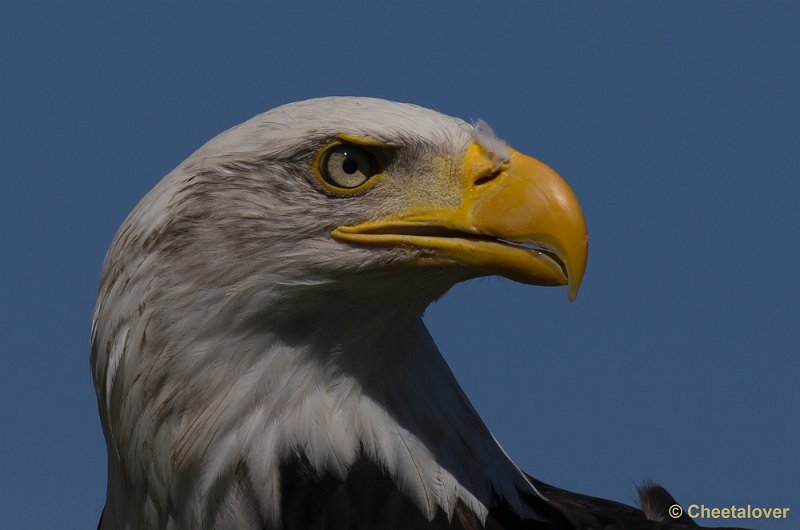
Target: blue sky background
x: 677, y: 124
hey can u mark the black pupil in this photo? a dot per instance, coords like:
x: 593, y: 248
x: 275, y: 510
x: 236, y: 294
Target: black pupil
x: 350, y: 165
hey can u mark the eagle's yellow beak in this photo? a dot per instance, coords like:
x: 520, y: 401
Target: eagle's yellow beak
x: 519, y: 220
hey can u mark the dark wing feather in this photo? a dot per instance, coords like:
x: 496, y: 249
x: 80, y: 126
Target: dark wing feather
x: 655, y: 501
x: 586, y: 512
x: 369, y: 499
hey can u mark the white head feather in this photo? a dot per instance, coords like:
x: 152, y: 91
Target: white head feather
x: 232, y: 332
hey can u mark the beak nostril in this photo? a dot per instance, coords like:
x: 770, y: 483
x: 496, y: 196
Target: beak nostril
x: 490, y: 176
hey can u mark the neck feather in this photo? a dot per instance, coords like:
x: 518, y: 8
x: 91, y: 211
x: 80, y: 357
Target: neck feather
x: 330, y: 395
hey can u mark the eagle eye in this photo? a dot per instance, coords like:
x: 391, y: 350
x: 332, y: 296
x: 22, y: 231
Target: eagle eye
x: 347, y: 166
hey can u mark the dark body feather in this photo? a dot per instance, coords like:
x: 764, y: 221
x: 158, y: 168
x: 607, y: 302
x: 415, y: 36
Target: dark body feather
x: 368, y: 499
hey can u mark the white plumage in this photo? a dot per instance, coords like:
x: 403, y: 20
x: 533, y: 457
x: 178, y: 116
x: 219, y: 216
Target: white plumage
x: 237, y: 345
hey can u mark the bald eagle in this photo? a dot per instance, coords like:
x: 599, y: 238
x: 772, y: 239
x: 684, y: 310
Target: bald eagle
x: 258, y: 351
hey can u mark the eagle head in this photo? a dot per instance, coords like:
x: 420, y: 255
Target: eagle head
x: 260, y: 309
